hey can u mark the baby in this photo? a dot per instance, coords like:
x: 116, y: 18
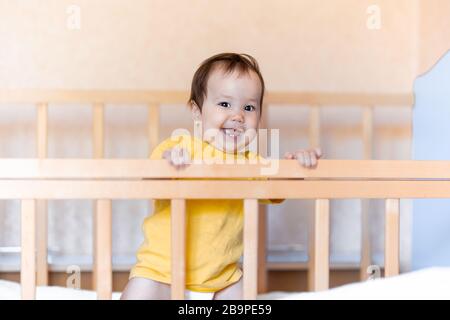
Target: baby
x: 226, y: 99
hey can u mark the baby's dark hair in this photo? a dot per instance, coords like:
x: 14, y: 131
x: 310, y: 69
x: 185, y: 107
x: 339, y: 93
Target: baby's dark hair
x: 243, y: 63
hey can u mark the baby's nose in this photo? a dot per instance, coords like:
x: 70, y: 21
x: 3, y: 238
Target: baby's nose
x: 238, y: 116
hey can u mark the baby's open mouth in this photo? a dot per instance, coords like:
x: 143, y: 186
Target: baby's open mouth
x: 231, y: 132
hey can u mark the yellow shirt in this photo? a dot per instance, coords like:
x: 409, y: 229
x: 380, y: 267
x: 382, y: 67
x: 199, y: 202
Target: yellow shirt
x: 214, y: 232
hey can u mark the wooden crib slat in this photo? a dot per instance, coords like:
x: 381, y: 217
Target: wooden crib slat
x: 366, y: 250
x: 314, y: 126
x: 314, y: 141
x: 98, y: 130
x: 103, y: 249
x: 367, y: 132
x: 250, y: 249
x: 367, y: 138
x: 392, y: 238
x: 318, y: 275
x: 262, y: 249
x: 42, y: 130
x: 262, y: 208
x: 42, y: 242
x: 153, y: 132
x: 41, y: 205
x: 28, y: 247
x: 153, y: 127
x: 98, y: 152
x: 264, y: 125
x: 178, y: 248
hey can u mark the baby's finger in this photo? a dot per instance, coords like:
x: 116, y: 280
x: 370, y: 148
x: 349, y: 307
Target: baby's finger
x: 185, y: 156
x: 167, y: 155
x: 318, y: 152
x: 307, y: 159
x: 288, y: 155
x: 300, y: 157
x: 176, y: 156
x: 181, y: 158
x: 313, y: 157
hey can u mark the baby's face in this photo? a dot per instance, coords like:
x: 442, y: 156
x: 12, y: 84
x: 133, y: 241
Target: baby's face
x: 230, y: 109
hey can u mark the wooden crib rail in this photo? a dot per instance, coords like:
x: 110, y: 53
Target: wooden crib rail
x: 180, y: 97
x: 30, y: 180
x: 21, y: 168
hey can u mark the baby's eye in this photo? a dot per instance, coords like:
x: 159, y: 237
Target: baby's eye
x: 224, y: 104
x: 249, y: 108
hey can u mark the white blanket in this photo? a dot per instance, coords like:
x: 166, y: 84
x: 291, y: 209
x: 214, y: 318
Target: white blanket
x: 11, y: 291
x: 431, y: 283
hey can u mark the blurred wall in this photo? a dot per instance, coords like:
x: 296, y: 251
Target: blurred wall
x: 301, y: 45
x: 434, y: 37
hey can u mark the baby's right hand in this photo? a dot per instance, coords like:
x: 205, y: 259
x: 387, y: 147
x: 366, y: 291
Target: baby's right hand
x: 178, y: 157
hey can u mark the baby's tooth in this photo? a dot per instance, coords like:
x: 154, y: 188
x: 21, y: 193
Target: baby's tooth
x: 231, y: 132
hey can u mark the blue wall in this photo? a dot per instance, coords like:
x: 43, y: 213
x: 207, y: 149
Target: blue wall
x: 431, y: 141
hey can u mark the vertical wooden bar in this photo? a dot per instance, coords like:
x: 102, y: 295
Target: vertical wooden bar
x: 42, y: 242
x: 42, y: 130
x: 178, y: 248
x: 153, y: 127
x: 153, y: 132
x: 98, y: 130
x: 392, y: 238
x: 314, y: 126
x: 28, y: 249
x: 262, y: 249
x: 262, y: 209
x: 102, y: 266
x: 103, y: 249
x: 319, y: 268
x: 314, y: 234
x: 366, y: 250
x: 264, y: 125
x: 250, y: 249
x: 41, y: 205
x: 367, y: 132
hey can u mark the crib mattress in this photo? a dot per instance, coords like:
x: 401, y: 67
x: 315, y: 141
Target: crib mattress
x: 430, y: 283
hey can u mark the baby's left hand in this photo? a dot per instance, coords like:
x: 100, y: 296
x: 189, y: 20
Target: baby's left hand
x: 307, y: 158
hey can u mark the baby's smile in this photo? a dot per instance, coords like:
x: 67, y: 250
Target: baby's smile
x: 233, y: 132
x: 227, y: 138
x: 233, y: 135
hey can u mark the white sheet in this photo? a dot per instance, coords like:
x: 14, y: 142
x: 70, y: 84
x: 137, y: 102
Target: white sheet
x: 11, y: 291
x: 431, y: 283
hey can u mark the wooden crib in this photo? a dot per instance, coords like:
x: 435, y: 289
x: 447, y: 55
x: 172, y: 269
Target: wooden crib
x: 35, y: 180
